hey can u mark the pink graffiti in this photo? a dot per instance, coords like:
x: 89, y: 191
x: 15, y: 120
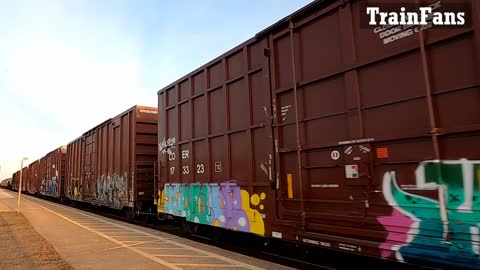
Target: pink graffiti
x: 397, y: 225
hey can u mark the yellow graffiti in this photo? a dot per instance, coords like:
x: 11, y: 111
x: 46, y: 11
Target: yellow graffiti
x: 216, y: 223
x: 256, y: 224
x: 199, y: 205
x: 161, y: 202
x: 263, y: 196
x: 255, y: 199
x: 478, y: 178
x: 220, y: 202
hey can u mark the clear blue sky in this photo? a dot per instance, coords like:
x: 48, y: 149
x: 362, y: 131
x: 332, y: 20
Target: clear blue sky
x: 66, y: 66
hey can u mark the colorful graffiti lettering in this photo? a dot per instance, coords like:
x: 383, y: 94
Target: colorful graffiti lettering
x: 223, y: 205
x: 113, y: 189
x: 443, y: 230
x: 49, y: 187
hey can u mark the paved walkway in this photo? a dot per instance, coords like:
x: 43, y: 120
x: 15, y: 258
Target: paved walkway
x: 5, y: 195
x: 89, y: 241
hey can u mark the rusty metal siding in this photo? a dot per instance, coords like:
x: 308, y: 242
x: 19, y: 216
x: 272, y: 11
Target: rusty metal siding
x: 114, y: 162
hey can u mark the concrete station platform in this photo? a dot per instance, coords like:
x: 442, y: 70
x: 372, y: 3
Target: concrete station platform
x: 89, y: 241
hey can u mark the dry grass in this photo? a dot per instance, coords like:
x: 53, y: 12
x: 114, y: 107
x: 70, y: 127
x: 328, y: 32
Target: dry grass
x: 21, y: 247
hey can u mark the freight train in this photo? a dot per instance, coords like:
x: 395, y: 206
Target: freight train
x: 319, y: 130
x: 6, y: 183
x: 109, y: 165
x: 113, y: 163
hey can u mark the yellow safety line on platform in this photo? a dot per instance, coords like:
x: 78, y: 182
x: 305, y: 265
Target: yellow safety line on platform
x: 161, y: 248
x: 136, y: 244
x: 181, y: 255
x: 208, y: 265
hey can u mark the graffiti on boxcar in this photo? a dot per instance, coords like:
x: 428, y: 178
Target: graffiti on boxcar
x: 74, y: 188
x: 49, y: 186
x: 167, y: 146
x: 42, y: 185
x: 113, y: 190
x: 223, y: 205
x: 445, y: 227
x: 130, y: 198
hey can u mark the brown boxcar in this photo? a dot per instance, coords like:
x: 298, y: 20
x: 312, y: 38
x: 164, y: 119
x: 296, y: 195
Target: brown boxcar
x: 6, y: 183
x: 113, y: 163
x: 25, y: 177
x: 33, y: 177
x: 326, y: 131
x: 15, y: 180
x: 52, y: 173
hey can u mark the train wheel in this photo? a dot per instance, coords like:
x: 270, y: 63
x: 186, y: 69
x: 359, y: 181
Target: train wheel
x: 188, y: 227
x: 130, y: 214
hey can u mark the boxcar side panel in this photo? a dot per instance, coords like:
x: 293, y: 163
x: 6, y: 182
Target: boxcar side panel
x: 89, y: 162
x: 53, y: 175
x: 112, y: 164
x: 33, y: 183
x: 15, y: 180
x: 74, y: 162
x: 378, y: 137
x: 25, y: 178
x: 42, y: 174
x: 28, y: 179
x: 215, y: 140
x: 125, y: 157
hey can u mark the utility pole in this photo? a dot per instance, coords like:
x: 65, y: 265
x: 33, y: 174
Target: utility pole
x: 20, y: 184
